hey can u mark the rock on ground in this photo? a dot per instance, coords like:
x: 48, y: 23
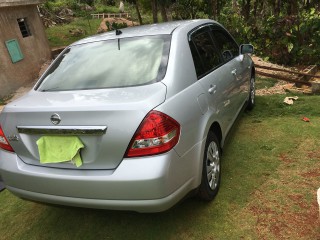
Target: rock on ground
x: 103, y: 25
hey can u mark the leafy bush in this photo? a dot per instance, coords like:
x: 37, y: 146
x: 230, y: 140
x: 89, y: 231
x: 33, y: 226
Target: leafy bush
x: 57, y: 5
x: 110, y: 2
x: 187, y: 9
x: 100, y: 8
x: 285, y: 39
x: 307, y: 37
x: 282, y: 38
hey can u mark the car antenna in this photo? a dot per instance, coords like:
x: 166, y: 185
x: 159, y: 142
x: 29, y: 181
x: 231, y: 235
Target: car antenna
x: 118, y: 32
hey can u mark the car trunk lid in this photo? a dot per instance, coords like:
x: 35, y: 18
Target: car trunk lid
x: 105, y: 121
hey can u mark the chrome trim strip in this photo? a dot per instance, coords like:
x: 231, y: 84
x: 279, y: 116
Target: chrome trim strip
x: 63, y: 130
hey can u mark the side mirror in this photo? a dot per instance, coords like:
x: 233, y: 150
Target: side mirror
x: 246, y: 48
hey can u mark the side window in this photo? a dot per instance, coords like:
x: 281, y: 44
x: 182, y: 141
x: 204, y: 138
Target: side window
x: 204, y: 53
x: 225, y: 44
x: 196, y: 60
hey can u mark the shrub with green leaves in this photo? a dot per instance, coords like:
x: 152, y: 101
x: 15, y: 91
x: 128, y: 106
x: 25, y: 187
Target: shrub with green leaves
x: 283, y: 39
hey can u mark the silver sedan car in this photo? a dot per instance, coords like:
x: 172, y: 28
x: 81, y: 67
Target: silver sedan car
x: 133, y: 119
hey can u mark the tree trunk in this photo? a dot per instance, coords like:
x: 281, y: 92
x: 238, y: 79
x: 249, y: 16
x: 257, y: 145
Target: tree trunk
x: 246, y: 9
x: 307, y: 4
x: 292, y: 8
x: 219, y: 6
x: 255, y: 8
x: 277, y: 7
x: 154, y: 11
x: 209, y: 7
x: 138, y: 13
x: 213, y: 6
x: 214, y: 9
x: 163, y: 11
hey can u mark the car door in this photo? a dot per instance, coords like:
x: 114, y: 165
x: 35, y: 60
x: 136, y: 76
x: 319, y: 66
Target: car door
x: 215, y: 81
x: 234, y: 67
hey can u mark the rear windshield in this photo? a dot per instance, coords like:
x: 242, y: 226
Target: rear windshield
x: 109, y: 64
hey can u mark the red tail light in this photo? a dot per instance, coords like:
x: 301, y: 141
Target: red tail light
x: 4, y: 144
x: 158, y: 133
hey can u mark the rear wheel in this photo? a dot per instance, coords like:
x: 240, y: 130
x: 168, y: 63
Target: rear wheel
x: 252, y: 96
x: 211, y: 170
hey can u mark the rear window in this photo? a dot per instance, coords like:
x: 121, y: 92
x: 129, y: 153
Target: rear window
x: 109, y: 64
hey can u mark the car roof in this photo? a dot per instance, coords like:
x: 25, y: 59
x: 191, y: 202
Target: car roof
x: 145, y: 30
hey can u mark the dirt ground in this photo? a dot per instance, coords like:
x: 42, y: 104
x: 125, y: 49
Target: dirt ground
x: 295, y: 216
x: 103, y: 25
x: 24, y: 89
x: 281, y: 87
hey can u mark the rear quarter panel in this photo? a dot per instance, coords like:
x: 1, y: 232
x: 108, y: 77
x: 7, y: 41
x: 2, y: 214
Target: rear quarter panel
x: 187, y: 104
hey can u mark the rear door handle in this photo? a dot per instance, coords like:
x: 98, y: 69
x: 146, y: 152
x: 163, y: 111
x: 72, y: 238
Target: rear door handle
x: 212, y: 89
x: 234, y: 72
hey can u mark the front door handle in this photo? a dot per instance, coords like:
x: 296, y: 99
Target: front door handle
x: 212, y: 89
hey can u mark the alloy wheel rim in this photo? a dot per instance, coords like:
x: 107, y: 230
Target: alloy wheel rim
x: 213, y: 165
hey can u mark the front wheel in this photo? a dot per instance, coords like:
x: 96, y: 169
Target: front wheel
x: 211, y: 169
x: 252, y: 96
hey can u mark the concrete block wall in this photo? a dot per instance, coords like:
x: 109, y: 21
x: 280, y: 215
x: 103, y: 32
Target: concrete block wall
x: 35, y: 48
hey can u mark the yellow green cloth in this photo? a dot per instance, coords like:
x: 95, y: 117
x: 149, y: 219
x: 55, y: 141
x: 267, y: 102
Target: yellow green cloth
x: 57, y: 149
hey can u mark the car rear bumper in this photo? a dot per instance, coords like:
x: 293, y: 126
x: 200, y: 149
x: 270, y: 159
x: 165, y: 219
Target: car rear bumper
x: 153, y: 205
x: 149, y: 184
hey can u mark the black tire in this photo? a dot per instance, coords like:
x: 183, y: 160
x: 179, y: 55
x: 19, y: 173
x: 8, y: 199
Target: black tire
x: 211, y: 170
x: 252, y: 94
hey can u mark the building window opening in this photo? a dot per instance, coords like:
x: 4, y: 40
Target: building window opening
x: 24, y: 28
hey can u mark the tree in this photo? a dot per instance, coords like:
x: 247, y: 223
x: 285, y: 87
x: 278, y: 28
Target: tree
x: 163, y: 5
x: 89, y: 2
x: 246, y: 9
x: 212, y: 8
x: 187, y: 9
x: 292, y: 7
x: 136, y: 6
x: 154, y: 4
x: 138, y: 11
x: 277, y: 7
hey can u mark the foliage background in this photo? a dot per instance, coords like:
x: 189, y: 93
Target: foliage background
x: 282, y: 31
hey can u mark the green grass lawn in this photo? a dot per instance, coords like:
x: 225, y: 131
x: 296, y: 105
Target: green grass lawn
x: 265, y: 82
x: 270, y: 174
x: 60, y: 36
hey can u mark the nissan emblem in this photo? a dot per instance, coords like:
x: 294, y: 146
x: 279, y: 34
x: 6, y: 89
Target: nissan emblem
x: 55, y: 119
